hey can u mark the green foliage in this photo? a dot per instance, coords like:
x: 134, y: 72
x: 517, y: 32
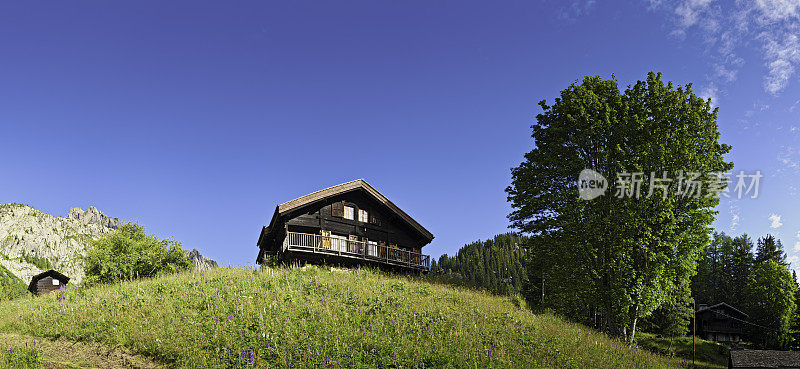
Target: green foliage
x: 611, y: 261
x: 39, y: 262
x: 723, y: 270
x: 770, y: 293
x: 129, y: 253
x: 495, y: 264
x: 313, y: 317
x: 20, y: 357
x: 705, y: 351
x: 770, y: 248
x: 671, y: 319
x: 11, y: 287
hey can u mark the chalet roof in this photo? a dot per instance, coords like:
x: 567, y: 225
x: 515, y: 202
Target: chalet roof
x: 721, y: 305
x: 50, y: 273
x: 358, y: 184
x: 764, y: 359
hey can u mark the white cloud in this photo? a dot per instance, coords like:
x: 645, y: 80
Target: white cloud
x: 691, y: 12
x: 789, y: 159
x: 710, y: 92
x: 781, y: 56
x: 771, y: 25
x: 793, y: 260
x: 578, y: 8
x: 733, y: 209
x: 797, y: 246
x: 776, y: 221
x: 777, y: 10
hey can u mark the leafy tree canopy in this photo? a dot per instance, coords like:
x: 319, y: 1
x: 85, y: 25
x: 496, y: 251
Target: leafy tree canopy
x: 129, y: 253
x: 617, y: 259
x: 771, y: 304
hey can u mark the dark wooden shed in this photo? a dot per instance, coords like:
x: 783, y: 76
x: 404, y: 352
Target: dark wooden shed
x: 752, y: 359
x: 47, y: 282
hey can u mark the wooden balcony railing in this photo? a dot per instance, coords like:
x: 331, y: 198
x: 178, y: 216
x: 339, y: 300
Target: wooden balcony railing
x: 315, y: 243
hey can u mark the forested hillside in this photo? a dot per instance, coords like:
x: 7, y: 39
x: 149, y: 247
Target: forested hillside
x: 497, y: 264
x: 758, y: 283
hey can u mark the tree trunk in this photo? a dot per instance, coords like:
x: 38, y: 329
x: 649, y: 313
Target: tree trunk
x: 634, y: 319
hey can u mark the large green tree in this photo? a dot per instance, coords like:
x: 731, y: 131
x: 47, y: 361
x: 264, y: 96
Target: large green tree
x: 620, y: 257
x: 129, y: 253
x: 771, y: 304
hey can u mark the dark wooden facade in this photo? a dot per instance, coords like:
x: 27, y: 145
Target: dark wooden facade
x: 47, y: 282
x: 720, y: 323
x: 348, y: 224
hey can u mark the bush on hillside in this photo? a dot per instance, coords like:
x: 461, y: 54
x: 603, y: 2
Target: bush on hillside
x: 129, y: 253
x: 11, y: 287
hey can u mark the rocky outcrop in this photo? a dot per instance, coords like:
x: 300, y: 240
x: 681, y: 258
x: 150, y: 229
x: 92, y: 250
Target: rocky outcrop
x: 93, y: 216
x: 32, y: 241
x: 200, y: 262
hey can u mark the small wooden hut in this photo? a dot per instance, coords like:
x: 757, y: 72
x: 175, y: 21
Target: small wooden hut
x: 47, y: 282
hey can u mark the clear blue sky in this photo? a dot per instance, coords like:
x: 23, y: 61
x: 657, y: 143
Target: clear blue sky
x: 197, y: 118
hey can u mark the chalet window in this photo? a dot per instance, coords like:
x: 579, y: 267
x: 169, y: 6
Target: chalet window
x: 338, y: 210
x: 374, y: 220
x: 363, y: 216
x: 349, y: 212
x: 55, y: 282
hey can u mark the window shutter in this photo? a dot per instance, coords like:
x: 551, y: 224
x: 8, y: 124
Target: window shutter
x: 338, y: 210
x: 374, y: 220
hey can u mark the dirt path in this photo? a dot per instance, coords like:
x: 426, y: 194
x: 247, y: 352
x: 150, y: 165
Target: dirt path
x: 58, y: 354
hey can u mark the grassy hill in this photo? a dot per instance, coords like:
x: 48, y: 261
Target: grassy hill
x: 10, y: 286
x: 316, y: 317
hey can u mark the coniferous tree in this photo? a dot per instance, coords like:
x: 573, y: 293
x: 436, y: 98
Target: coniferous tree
x: 738, y: 266
x: 770, y: 248
x: 496, y: 264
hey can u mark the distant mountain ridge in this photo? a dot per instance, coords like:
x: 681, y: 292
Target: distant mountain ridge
x: 200, y: 262
x: 32, y: 241
x: 93, y: 216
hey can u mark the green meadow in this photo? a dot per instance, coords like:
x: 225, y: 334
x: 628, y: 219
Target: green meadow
x: 311, y: 317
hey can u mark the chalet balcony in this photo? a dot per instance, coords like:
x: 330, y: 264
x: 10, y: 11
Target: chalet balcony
x: 317, y: 244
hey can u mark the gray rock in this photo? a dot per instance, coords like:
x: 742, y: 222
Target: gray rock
x: 32, y: 241
x: 200, y: 262
x: 93, y: 216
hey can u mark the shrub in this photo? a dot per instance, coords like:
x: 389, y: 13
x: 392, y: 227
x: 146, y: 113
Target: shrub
x: 129, y: 253
x: 11, y: 287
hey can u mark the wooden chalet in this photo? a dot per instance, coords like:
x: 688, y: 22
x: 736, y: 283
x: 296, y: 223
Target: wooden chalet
x: 348, y: 224
x: 720, y: 323
x: 47, y: 282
